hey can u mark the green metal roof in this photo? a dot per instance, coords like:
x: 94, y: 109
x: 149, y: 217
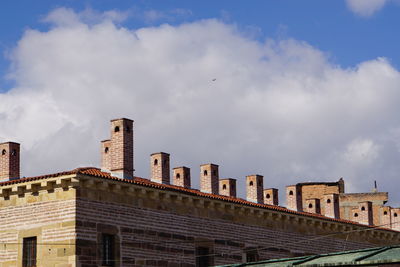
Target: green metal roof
x: 363, y: 257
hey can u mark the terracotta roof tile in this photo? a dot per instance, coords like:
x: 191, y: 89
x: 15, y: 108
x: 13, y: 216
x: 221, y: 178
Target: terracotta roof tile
x: 91, y: 171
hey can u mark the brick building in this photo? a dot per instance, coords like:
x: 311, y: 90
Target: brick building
x: 109, y: 217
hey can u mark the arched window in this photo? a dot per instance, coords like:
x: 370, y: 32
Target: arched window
x: 267, y: 196
x: 205, y: 173
x: 3, y: 152
x: 116, y: 129
x: 362, y: 208
x: 328, y: 200
x: 251, y: 183
x: 395, y: 215
x: 106, y: 149
x: 310, y: 205
x: 224, y: 187
x: 155, y: 162
x: 385, y: 212
x: 355, y: 214
x: 290, y: 193
x: 178, y: 175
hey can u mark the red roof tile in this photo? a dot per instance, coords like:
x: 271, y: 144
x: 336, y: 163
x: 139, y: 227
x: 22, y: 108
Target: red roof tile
x: 96, y: 172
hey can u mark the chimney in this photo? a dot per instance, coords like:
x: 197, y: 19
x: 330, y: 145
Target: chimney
x: 363, y: 214
x: 9, y: 161
x: 181, y: 176
x: 117, y: 153
x: 331, y: 205
x: 386, y: 217
x: 294, y: 198
x: 106, y: 155
x: 255, y: 187
x: 313, y: 205
x: 395, y: 212
x: 271, y: 196
x: 227, y: 187
x: 209, y: 178
x: 159, y: 163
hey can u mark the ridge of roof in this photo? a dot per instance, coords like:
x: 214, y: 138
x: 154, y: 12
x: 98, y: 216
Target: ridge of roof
x: 96, y: 172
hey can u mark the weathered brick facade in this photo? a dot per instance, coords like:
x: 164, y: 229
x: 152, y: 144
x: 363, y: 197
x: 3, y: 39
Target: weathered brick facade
x: 9, y: 160
x: 271, y: 196
x: 89, y: 218
x: 159, y: 167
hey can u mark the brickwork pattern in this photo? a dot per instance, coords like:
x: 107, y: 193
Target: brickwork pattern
x: 160, y: 168
x: 209, y: 178
x: 331, y: 205
x: 122, y: 147
x: 318, y: 191
x: 313, y: 205
x: 146, y: 241
x: 395, y: 218
x: 271, y: 196
x: 227, y: 187
x: 106, y: 155
x: 365, y: 213
x: 181, y: 177
x: 386, y: 217
x: 9, y: 161
x: 254, y: 188
x: 294, y: 198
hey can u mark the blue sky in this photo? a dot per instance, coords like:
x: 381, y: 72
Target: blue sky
x: 293, y: 90
x: 328, y: 25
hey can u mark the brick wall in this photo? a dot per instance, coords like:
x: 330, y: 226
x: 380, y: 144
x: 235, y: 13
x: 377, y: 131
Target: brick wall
x: 9, y: 160
x: 181, y: 176
x: 122, y: 147
x: 160, y: 167
x: 254, y: 188
x: 209, y: 178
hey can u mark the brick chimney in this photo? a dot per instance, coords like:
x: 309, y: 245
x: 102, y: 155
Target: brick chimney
x: 209, y: 177
x: 9, y: 161
x: 395, y: 212
x: 254, y: 188
x: 331, y: 205
x: 227, y: 187
x: 386, y: 217
x: 313, y: 205
x: 271, y: 196
x: 106, y: 155
x: 294, y: 198
x: 159, y: 167
x: 363, y: 214
x: 181, y: 176
x: 117, y: 153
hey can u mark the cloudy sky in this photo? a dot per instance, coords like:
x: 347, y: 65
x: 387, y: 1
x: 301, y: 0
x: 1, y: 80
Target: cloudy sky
x: 293, y: 90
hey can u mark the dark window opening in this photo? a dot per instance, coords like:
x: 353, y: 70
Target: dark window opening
x: 106, y: 150
x: 395, y: 215
x: 310, y: 205
x: 224, y: 187
x: 3, y: 152
x: 252, y: 255
x: 203, y: 258
x: 290, y: 193
x: 116, y: 129
x: 107, y: 250
x: 267, y: 196
x: 385, y: 213
x: 205, y: 172
x: 355, y: 214
x: 156, y: 162
x: 29, y: 252
x: 251, y: 183
x: 363, y: 208
x: 178, y: 175
x: 328, y: 200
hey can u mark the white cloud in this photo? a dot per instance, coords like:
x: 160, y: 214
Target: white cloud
x: 366, y: 8
x: 277, y: 108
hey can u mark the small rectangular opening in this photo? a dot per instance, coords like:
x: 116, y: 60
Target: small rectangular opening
x: 29, y: 252
x: 108, y: 250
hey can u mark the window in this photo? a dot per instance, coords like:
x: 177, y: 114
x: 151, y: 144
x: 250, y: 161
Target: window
x: 116, y: 129
x: 203, y: 257
x: 251, y: 255
x: 155, y: 162
x: 267, y: 196
x: 3, y: 152
x: 290, y: 193
x: 107, y: 250
x: 178, y: 175
x: 310, y: 205
x: 224, y: 187
x: 205, y: 173
x: 362, y: 208
x: 328, y: 200
x: 29, y: 252
x: 251, y: 183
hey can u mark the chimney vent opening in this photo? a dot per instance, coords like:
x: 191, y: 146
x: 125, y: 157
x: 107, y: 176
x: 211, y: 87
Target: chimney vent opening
x: 116, y: 129
x: 155, y: 162
x: 395, y: 215
x: 3, y: 152
x: 362, y: 208
x: 267, y: 196
x: 310, y: 205
x: 290, y: 193
x: 224, y: 187
x: 251, y: 183
x: 385, y: 212
x: 106, y: 150
x: 205, y: 173
x: 355, y: 214
x: 328, y: 200
x: 178, y: 175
